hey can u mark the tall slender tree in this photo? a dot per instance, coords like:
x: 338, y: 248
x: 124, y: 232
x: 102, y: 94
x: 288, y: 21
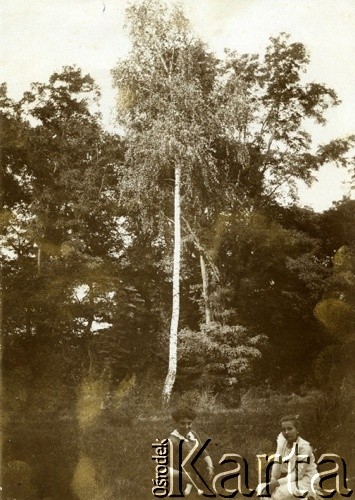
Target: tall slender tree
x: 165, y: 87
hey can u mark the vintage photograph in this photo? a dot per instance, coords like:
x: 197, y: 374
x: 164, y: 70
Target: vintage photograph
x: 177, y: 249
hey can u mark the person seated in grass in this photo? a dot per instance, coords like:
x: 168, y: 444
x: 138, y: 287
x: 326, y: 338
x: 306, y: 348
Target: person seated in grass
x: 182, y: 441
x: 289, y: 479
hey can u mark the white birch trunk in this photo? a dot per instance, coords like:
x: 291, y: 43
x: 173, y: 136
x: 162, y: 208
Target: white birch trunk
x: 206, y: 300
x: 1, y: 343
x: 170, y: 378
x: 39, y: 259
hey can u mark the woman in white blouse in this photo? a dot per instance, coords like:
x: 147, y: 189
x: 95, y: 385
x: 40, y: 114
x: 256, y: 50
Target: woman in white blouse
x: 296, y: 475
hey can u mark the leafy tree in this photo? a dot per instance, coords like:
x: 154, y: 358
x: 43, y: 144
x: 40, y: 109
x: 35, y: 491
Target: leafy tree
x: 164, y: 86
x: 13, y: 192
x: 62, y: 235
x: 73, y: 165
x: 335, y: 310
x: 264, y: 106
x: 273, y: 276
x: 219, y: 356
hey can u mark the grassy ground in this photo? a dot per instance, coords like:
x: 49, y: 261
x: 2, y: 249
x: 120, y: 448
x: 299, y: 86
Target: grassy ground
x: 48, y: 455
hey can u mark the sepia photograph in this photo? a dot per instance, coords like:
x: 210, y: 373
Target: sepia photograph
x: 177, y: 249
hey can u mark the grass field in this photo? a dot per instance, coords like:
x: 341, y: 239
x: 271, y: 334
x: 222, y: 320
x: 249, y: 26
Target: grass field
x: 51, y: 453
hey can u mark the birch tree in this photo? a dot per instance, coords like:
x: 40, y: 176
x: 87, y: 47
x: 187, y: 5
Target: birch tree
x: 164, y: 89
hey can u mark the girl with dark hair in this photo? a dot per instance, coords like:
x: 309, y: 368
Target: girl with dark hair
x: 297, y: 472
x: 182, y: 441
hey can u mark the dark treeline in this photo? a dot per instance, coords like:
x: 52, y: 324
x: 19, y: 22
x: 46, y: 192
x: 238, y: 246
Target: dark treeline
x: 267, y: 288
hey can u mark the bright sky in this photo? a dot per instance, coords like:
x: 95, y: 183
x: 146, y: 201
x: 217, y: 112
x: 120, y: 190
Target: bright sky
x: 38, y: 37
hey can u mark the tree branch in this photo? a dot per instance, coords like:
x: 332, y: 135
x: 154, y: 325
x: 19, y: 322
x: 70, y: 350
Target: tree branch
x: 200, y: 247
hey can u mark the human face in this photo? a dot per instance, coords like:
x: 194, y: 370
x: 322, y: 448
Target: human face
x: 289, y: 431
x: 184, y: 426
